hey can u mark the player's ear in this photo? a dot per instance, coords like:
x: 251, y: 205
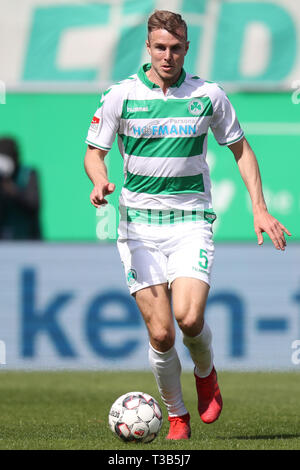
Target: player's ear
x: 187, y: 45
x: 148, y: 45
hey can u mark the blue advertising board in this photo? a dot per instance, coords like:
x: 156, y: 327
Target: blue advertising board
x: 68, y: 306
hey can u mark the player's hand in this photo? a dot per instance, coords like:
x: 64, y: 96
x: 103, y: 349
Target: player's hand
x: 99, y: 192
x: 265, y: 222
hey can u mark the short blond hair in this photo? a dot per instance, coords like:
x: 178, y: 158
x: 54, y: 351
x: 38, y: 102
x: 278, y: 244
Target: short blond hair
x: 163, y: 19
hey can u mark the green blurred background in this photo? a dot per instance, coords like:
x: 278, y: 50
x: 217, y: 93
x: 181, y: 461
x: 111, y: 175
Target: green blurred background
x: 56, y: 59
x: 51, y: 129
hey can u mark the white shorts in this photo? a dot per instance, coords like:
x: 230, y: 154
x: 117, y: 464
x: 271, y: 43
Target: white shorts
x: 156, y: 254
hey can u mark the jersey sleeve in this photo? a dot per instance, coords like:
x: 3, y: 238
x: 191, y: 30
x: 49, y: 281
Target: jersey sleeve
x: 106, y: 120
x: 225, y: 125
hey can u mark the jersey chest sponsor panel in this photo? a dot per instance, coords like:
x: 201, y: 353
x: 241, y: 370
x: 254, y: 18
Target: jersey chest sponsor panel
x: 164, y: 155
x: 163, y: 140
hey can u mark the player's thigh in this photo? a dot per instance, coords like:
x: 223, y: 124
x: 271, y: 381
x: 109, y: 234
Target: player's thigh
x: 189, y: 270
x: 189, y: 297
x: 155, y: 306
x: 144, y: 263
x: 191, y: 252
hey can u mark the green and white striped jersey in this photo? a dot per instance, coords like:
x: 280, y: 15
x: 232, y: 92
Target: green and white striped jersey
x: 163, y: 138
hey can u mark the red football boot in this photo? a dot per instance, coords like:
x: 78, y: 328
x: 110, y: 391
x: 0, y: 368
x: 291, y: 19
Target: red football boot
x: 179, y: 427
x: 209, y: 397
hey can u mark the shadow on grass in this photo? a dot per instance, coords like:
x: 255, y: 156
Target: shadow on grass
x: 264, y: 437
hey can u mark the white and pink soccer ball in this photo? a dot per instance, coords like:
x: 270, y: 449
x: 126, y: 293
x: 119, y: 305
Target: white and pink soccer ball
x: 135, y: 416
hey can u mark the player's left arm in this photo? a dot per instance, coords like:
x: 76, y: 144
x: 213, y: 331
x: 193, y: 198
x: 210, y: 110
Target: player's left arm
x: 263, y: 220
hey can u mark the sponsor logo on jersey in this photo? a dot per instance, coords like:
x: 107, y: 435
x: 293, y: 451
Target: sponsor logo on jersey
x: 195, y: 107
x: 137, y: 109
x: 160, y: 131
x: 95, y: 124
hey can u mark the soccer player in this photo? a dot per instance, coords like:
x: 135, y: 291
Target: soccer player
x: 161, y: 116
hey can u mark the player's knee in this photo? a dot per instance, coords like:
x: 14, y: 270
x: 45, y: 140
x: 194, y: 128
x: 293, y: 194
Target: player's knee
x: 190, y: 324
x: 162, y: 339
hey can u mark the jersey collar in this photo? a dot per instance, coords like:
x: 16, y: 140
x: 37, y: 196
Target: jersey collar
x: 143, y: 77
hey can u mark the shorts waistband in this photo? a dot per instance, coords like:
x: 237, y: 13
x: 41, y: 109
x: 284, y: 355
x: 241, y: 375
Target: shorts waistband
x: 165, y: 217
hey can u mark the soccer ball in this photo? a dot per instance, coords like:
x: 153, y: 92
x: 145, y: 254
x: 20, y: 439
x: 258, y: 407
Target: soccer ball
x: 135, y: 416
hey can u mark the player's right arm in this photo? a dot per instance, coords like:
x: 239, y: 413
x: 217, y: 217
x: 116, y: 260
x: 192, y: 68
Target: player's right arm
x: 100, y: 138
x: 97, y: 172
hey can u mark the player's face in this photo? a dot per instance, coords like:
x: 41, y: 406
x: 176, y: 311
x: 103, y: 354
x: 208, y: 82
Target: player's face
x: 167, y: 54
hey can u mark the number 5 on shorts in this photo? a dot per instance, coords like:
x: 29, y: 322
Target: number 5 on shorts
x: 203, y: 263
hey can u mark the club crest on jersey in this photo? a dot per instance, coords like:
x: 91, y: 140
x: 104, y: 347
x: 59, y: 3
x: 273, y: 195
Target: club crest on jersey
x: 131, y: 277
x: 195, y: 107
x: 95, y: 124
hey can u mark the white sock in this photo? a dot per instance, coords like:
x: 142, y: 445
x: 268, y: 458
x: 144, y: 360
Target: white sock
x: 166, y: 368
x: 201, y: 351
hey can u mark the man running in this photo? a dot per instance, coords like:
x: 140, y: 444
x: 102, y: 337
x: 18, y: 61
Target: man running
x: 162, y: 116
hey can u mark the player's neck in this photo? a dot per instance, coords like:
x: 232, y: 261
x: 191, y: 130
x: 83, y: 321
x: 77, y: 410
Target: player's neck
x: 162, y: 83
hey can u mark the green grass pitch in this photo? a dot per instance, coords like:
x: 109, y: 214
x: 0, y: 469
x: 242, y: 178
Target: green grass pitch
x: 69, y: 410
